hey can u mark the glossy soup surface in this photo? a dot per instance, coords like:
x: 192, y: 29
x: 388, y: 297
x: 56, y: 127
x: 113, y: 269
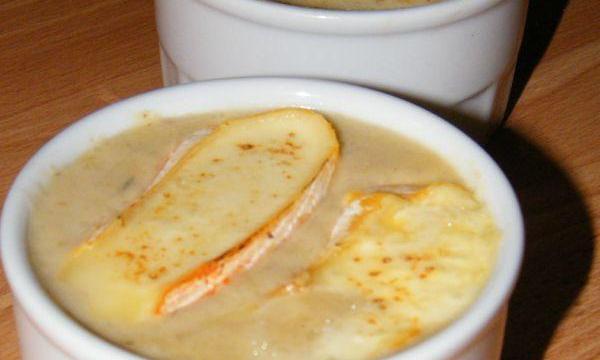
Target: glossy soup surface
x: 254, y: 316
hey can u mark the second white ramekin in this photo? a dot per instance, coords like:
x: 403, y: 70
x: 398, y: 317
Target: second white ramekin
x: 456, y: 57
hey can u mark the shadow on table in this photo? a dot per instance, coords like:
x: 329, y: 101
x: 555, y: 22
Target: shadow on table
x: 559, y: 245
x: 543, y: 18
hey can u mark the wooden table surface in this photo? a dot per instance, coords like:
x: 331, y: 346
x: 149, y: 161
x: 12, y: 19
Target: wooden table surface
x: 62, y: 59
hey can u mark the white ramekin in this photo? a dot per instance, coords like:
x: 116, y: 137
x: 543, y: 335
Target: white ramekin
x: 456, y: 57
x: 46, y: 332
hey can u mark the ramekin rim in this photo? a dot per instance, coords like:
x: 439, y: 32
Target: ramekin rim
x: 344, y: 22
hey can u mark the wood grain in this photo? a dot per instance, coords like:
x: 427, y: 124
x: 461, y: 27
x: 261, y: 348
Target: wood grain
x: 62, y: 59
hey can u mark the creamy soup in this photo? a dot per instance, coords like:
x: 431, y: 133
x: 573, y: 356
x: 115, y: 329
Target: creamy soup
x: 298, y: 302
x: 358, y: 4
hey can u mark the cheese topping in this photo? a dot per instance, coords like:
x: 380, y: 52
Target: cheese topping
x: 415, y: 262
x: 229, y: 191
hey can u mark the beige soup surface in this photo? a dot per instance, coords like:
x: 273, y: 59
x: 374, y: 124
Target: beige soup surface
x: 402, y: 263
x: 358, y: 4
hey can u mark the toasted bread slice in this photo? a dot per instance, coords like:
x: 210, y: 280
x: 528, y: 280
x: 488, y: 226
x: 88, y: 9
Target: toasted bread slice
x: 229, y: 198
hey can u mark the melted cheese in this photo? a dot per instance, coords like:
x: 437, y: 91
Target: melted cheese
x: 231, y: 188
x: 415, y: 261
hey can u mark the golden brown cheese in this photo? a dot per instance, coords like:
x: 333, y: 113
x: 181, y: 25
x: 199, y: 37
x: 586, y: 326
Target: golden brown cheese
x: 418, y: 261
x: 216, y: 210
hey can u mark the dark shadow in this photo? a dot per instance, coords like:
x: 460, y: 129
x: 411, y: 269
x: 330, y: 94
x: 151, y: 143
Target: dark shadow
x: 559, y: 246
x: 543, y: 18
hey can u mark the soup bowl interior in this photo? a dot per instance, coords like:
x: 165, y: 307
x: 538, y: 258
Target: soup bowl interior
x: 473, y: 165
x: 310, y: 19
